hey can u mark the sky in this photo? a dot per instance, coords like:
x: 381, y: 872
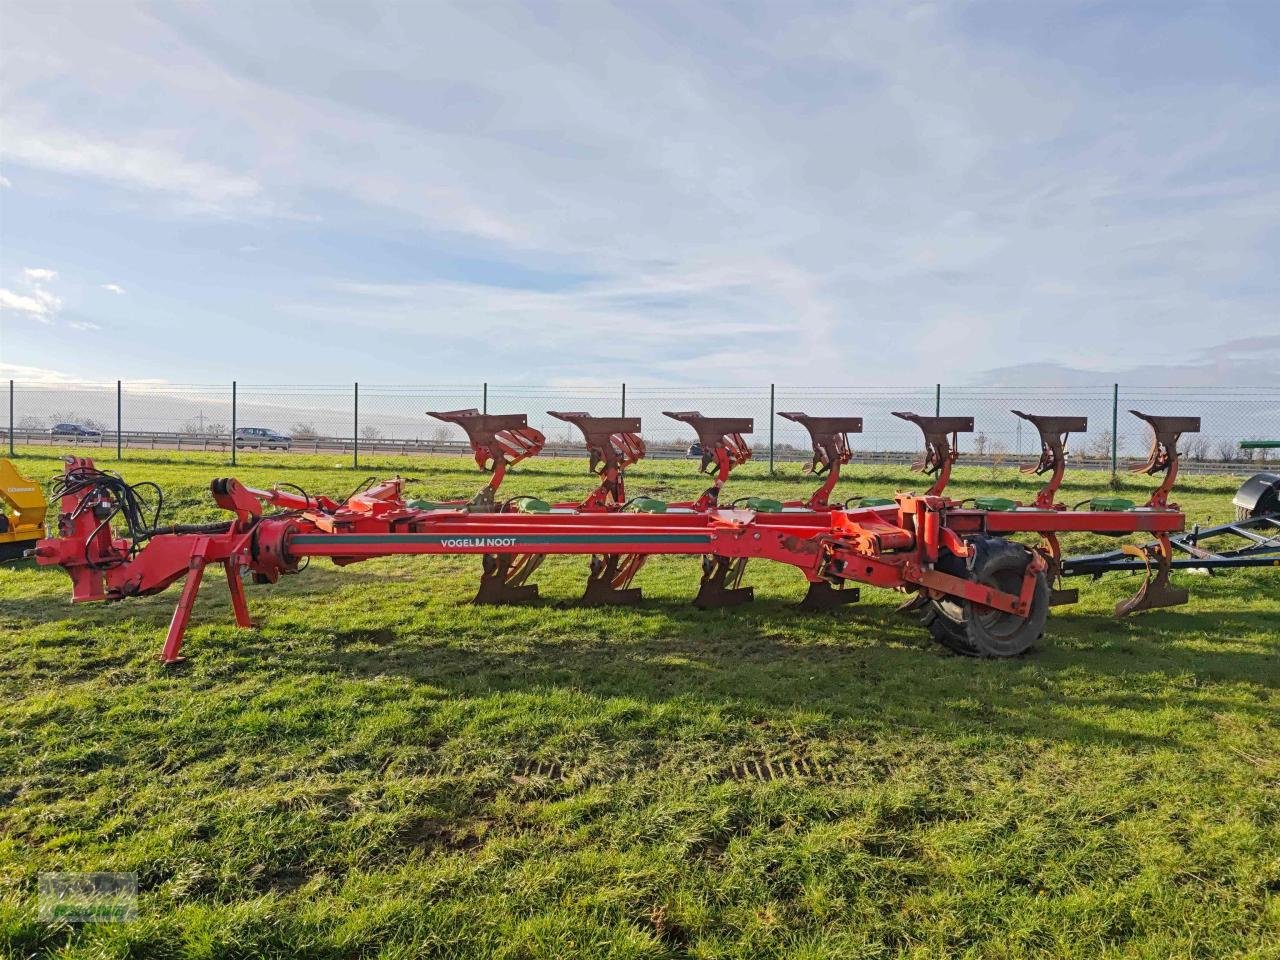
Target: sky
x: 823, y: 195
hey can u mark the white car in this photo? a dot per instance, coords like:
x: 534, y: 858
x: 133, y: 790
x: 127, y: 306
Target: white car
x: 260, y: 438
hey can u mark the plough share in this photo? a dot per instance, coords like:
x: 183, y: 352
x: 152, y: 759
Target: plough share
x: 976, y: 591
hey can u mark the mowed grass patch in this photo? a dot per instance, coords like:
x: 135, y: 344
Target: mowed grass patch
x: 381, y: 769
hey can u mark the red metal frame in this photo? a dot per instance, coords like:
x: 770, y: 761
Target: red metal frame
x: 895, y: 546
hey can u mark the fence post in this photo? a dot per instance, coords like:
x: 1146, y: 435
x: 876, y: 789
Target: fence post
x: 624, y: 401
x: 11, y: 418
x: 355, y: 428
x: 119, y: 416
x: 484, y: 398
x: 1115, y: 425
x: 233, y: 423
x: 771, y: 393
x: 937, y: 399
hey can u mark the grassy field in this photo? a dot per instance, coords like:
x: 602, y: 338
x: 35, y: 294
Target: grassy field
x: 380, y: 769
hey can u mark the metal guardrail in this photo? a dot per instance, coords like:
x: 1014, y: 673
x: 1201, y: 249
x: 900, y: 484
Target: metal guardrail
x: 157, y: 440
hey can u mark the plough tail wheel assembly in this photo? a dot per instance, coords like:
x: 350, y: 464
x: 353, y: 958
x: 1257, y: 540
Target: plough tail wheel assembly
x: 975, y: 630
x: 978, y: 592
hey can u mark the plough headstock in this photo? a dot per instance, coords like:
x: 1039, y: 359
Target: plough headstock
x: 614, y: 444
x: 939, y: 445
x: 1053, y: 451
x: 830, y: 436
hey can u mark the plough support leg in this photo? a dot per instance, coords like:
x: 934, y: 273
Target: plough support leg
x: 721, y: 583
x: 186, y: 603
x: 236, y: 587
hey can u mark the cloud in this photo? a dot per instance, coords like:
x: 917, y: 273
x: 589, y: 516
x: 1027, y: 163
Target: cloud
x: 84, y: 325
x: 4, y: 181
x: 1246, y: 362
x: 198, y: 186
x: 761, y: 311
x: 38, y: 301
x: 37, y: 375
x: 824, y: 194
x: 33, y: 305
x: 113, y: 288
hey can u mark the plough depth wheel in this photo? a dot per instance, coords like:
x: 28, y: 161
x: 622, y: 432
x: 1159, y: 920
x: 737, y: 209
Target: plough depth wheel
x: 977, y: 631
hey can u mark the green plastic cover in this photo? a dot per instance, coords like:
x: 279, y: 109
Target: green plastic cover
x: 876, y: 501
x: 1111, y: 504
x: 998, y: 504
x: 531, y: 505
x: 764, y: 505
x: 647, y: 505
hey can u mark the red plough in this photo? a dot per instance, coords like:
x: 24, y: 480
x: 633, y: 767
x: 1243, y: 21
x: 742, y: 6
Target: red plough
x: 977, y: 591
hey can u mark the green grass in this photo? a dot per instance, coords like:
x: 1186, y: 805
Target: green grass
x: 380, y: 769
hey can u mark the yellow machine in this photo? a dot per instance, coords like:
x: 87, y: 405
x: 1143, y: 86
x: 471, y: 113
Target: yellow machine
x: 22, y: 519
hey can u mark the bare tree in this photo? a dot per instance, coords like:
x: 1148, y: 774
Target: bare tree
x: 1101, y: 446
x: 303, y: 431
x: 1228, y: 450
x: 998, y: 456
x: 370, y: 432
x: 1197, y: 448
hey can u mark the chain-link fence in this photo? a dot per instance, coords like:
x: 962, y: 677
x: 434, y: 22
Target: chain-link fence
x: 359, y: 418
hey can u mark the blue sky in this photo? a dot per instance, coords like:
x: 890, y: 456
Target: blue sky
x: 827, y: 195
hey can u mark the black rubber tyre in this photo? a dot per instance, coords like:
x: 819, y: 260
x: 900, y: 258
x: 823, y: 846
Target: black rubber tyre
x: 976, y: 631
x: 946, y: 631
